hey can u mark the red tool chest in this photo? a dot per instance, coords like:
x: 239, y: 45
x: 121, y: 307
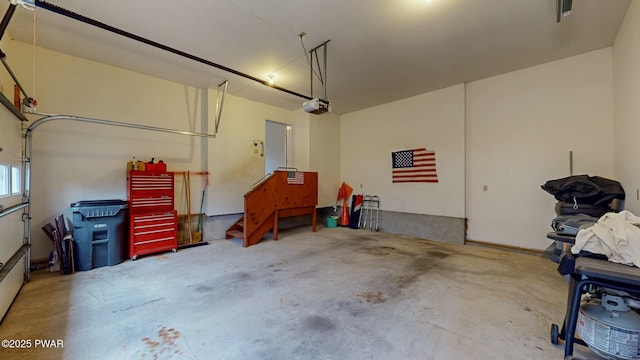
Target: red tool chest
x: 153, y: 222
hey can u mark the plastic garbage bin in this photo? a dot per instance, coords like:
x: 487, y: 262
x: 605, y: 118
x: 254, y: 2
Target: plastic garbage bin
x: 99, y: 232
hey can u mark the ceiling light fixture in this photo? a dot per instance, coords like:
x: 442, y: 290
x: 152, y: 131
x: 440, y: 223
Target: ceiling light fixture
x: 270, y: 76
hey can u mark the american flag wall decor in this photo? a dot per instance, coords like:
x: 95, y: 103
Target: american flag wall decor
x: 417, y: 165
x: 295, y: 178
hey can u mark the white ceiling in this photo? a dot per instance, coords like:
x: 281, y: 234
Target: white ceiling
x: 380, y: 50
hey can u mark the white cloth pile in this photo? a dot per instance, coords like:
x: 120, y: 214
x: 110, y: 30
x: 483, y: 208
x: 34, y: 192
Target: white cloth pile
x: 614, y: 235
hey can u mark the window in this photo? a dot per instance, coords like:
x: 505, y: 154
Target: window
x: 4, y: 180
x: 10, y: 177
x: 15, y: 180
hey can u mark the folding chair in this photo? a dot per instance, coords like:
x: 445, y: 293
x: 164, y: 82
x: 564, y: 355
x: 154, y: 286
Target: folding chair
x: 53, y: 235
x: 67, y: 245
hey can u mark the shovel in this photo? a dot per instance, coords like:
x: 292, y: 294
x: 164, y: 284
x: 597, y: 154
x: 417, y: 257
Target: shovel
x: 197, y: 236
x: 188, y: 190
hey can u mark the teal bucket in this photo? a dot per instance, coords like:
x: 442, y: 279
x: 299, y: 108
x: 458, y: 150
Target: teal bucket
x: 332, y: 221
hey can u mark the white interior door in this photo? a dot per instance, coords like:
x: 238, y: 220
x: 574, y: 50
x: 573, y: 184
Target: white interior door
x: 277, y: 149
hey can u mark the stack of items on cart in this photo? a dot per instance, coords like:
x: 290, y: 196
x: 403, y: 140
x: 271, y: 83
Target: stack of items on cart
x: 599, y: 256
x: 582, y: 200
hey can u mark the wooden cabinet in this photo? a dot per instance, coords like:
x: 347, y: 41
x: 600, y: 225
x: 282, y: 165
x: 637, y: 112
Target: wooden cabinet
x: 153, y: 222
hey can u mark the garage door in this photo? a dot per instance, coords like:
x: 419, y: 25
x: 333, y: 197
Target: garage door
x: 13, y: 252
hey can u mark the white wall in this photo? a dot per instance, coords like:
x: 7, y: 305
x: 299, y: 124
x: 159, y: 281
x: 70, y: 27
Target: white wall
x: 233, y: 165
x: 325, y: 153
x: 433, y: 120
x: 75, y: 161
x: 520, y: 129
x: 301, y: 140
x: 626, y: 91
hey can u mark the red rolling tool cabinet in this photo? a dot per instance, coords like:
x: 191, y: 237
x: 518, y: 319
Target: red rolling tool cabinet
x: 153, y: 222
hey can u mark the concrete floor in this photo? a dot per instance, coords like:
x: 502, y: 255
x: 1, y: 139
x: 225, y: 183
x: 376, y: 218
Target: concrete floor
x: 334, y: 294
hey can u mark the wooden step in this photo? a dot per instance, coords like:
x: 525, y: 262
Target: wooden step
x: 234, y: 234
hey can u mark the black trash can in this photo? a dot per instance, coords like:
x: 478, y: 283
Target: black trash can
x: 100, y: 233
